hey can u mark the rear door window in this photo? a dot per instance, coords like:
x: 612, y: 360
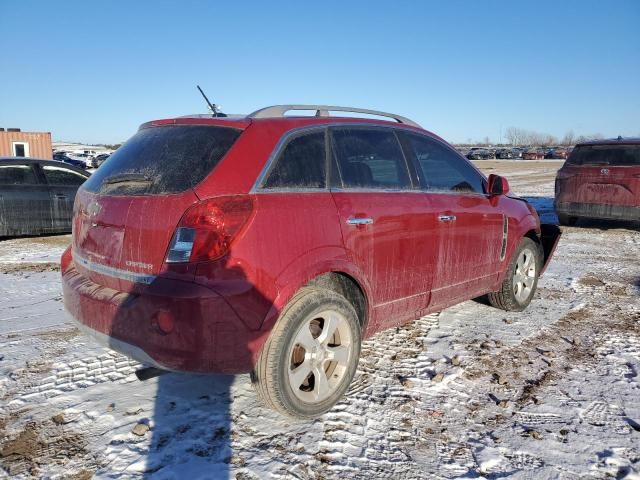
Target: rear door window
x: 62, y: 176
x: 370, y: 158
x: 442, y: 169
x: 17, y: 175
x: 301, y: 164
x: 614, y: 155
x: 160, y: 160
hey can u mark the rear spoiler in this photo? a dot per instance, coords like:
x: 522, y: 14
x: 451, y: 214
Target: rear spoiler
x: 549, y: 237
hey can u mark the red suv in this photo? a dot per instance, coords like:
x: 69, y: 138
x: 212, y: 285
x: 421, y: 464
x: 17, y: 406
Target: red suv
x: 600, y: 179
x: 274, y: 244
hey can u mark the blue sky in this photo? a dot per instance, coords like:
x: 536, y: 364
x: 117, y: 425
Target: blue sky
x: 93, y: 71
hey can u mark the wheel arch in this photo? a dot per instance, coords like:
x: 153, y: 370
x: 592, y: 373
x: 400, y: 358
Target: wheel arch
x: 330, y: 268
x: 347, y: 286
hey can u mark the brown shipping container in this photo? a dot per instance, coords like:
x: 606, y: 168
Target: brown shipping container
x: 34, y: 144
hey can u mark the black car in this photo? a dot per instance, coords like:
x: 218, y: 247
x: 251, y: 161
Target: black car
x: 100, y: 159
x: 504, y: 154
x: 61, y: 157
x: 480, y: 154
x: 36, y: 196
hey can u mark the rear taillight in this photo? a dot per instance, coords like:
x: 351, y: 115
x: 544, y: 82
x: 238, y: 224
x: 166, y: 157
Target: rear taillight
x: 207, y: 229
x: 65, y: 260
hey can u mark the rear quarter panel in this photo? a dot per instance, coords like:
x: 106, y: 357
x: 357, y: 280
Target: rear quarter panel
x: 291, y: 238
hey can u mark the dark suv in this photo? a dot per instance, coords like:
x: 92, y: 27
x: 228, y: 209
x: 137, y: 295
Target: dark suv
x: 600, y: 179
x: 274, y: 244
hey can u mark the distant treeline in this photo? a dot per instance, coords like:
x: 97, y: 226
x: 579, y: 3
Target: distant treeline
x: 520, y: 137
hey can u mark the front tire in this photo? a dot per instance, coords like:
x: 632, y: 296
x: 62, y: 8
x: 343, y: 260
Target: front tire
x: 521, y: 280
x: 311, y: 356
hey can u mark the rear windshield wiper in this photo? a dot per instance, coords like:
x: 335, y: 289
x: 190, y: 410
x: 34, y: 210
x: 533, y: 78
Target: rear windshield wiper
x: 127, y: 178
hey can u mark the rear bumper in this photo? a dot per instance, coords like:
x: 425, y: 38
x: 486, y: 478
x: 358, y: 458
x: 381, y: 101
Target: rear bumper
x: 173, y: 325
x: 597, y: 210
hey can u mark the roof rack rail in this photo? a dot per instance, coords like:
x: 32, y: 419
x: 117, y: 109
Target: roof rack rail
x: 323, y: 111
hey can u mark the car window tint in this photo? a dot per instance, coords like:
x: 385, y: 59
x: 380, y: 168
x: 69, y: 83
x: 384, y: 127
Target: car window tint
x: 370, y: 158
x: 62, y: 176
x: 17, y: 175
x: 442, y: 169
x: 302, y: 164
x: 616, y: 155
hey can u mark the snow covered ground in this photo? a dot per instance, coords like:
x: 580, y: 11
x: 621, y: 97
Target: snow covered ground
x: 471, y: 392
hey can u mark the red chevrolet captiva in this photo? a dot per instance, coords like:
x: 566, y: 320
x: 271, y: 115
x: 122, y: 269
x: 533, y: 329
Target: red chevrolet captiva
x: 273, y: 244
x: 600, y: 179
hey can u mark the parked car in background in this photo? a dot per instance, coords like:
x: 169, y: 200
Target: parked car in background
x: 600, y: 179
x: 85, y: 158
x: 517, y: 153
x: 504, y: 154
x: 205, y: 222
x: 62, y: 157
x: 559, y: 153
x: 36, y: 196
x: 480, y: 154
x: 533, y: 154
x: 100, y: 159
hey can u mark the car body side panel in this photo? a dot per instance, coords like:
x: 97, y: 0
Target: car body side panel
x: 469, y: 245
x: 25, y: 210
x: 520, y: 224
x: 62, y: 197
x: 395, y: 251
x: 284, y: 229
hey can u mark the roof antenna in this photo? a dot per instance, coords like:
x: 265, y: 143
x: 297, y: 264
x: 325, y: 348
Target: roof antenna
x: 213, y: 108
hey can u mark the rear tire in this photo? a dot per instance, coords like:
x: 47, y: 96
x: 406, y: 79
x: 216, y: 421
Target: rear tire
x: 566, y: 220
x: 521, y: 280
x: 311, y: 356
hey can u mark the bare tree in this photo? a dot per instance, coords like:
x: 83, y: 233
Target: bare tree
x: 515, y: 136
x: 569, y: 138
x: 586, y: 138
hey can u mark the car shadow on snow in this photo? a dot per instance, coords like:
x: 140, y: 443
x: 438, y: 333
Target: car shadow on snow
x: 190, y: 429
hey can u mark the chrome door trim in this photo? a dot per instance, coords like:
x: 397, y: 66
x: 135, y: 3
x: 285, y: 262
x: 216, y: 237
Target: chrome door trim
x: 359, y: 221
x: 256, y: 188
x: 505, y: 233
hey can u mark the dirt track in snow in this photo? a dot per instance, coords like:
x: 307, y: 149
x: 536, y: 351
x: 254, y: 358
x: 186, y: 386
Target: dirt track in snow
x: 473, y: 392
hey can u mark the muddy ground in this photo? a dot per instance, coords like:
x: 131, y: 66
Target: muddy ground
x: 473, y: 392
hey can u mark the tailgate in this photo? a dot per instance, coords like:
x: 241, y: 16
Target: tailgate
x: 118, y: 241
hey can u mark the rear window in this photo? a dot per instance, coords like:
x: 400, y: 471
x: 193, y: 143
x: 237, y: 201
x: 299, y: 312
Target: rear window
x: 370, y: 158
x: 302, y: 164
x: 62, y: 176
x: 619, y: 155
x: 17, y: 175
x: 168, y: 159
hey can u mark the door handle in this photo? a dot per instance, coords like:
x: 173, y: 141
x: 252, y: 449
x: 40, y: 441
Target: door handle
x: 61, y: 196
x: 360, y: 221
x: 447, y: 218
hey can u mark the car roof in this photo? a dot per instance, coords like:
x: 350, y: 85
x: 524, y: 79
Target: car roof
x: 281, y: 123
x: 277, y: 115
x: 613, y: 141
x: 41, y: 161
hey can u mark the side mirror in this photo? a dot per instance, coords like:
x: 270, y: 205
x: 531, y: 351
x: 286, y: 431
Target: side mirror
x: 498, y: 185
